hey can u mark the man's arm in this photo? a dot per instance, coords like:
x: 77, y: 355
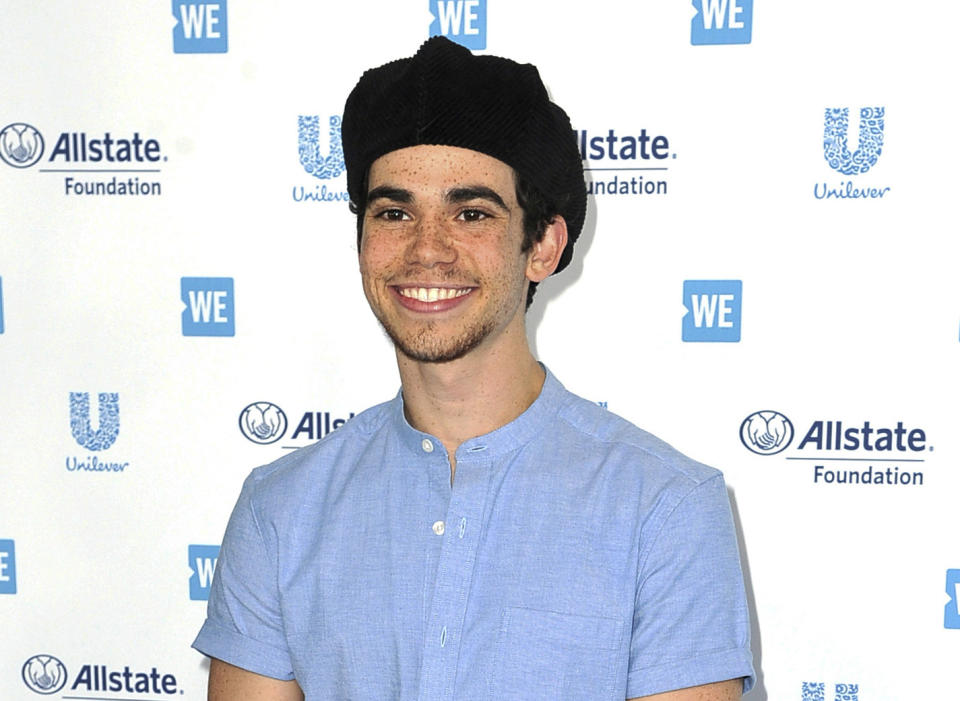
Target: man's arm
x: 730, y: 690
x: 229, y: 683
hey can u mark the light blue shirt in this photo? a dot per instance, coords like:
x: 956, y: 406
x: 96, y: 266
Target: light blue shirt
x: 576, y: 557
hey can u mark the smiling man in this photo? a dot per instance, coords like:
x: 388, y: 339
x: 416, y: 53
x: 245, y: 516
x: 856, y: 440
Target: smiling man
x: 486, y: 534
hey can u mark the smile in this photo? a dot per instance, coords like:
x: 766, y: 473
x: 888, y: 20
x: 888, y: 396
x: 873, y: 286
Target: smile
x: 433, y: 294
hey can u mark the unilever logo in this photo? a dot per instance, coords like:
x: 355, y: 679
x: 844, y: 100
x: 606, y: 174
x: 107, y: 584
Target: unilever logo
x: 101, y: 439
x: 106, y: 433
x: 311, y: 156
x: 263, y: 422
x: 838, y: 155
x: 835, y: 149
x: 321, y: 158
x: 44, y: 674
x: 21, y: 145
x: 766, y: 432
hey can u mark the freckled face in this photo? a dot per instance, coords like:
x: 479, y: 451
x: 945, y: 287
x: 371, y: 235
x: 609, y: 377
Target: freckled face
x: 440, y: 253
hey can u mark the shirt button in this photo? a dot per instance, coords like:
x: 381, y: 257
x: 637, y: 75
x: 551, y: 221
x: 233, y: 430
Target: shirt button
x: 427, y: 445
x: 438, y: 527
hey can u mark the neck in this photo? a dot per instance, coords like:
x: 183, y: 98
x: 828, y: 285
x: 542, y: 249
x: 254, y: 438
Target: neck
x: 470, y: 396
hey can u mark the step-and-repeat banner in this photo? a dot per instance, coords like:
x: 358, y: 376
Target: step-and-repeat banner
x: 767, y: 280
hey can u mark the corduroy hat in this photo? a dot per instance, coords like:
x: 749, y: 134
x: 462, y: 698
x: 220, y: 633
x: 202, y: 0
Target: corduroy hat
x: 444, y: 95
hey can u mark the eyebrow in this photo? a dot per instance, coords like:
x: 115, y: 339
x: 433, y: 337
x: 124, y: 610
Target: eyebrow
x: 474, y: 192
x: 388, y: 192
x: 454, y: 195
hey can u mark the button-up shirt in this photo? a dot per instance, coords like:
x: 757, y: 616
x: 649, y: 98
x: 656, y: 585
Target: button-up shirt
x: 574, y: 556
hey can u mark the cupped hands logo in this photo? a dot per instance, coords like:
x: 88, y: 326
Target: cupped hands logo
x: 21, y: 145
x: 44, y: 674
x: 766, y: 432
x: 263, y: 422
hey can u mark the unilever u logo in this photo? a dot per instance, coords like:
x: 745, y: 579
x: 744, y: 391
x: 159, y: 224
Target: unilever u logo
x: 106, y: 433
x: 835, y: 150
x: 311, y: 157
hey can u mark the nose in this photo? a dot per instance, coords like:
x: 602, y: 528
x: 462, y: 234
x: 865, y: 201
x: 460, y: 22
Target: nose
x: 430, y: 244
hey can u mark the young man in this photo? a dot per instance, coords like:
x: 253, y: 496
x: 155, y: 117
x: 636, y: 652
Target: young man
x: 486, y: 534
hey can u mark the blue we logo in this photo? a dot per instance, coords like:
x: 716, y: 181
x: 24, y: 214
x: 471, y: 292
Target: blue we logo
x: 209, y: 306
x: 722, y: 22
x: 951, y: 612
x: 713, y: 310
x: 462, y: 21
x: 201, y: 27
x: 203, y: 561
x: 8, y: 567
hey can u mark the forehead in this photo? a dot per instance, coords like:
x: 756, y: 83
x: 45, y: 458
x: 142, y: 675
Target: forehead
x: 430, y: 167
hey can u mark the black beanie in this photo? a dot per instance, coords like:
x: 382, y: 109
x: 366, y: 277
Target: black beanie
x: 444, y: 95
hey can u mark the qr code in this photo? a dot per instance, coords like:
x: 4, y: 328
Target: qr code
x: 814, y: 691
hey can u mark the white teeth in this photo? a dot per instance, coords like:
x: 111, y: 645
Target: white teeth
x: 432, y: 294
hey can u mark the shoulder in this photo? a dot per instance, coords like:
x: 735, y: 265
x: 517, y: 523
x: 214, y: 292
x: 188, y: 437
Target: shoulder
x: 300, y: 473
x: 608, y: 434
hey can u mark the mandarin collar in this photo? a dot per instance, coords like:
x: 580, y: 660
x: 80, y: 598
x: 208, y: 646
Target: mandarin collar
x: 509, y: 437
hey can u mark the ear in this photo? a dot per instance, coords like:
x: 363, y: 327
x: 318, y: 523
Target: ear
x: 544, y: 257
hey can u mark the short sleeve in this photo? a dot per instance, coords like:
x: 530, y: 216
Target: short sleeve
x: 691, y: 624
x: 244, y: 626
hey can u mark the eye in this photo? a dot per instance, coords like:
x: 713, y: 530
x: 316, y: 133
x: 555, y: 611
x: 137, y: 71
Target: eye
x: 471, y: 215
x: 392, y: 214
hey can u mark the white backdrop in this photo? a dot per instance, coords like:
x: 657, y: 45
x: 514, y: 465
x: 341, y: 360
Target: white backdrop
x: 850, y: 308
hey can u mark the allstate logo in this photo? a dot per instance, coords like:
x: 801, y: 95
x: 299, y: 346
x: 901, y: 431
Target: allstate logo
x: 263, y: 422
x: 44, y: 674
x: 106, y: 433
x: 21, y: 145
x: 766, y: 432
x: 835, y: 150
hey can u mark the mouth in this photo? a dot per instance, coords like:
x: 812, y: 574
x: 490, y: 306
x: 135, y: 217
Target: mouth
x: 433, y: 294
x: 430, y: 299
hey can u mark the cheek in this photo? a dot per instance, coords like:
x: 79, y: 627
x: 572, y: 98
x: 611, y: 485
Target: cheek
x: 374, y: 255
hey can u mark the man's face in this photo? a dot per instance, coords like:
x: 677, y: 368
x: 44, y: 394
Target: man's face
x: 440, y: 255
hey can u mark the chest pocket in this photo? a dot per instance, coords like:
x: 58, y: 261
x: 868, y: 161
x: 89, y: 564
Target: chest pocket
x: 548, y: 656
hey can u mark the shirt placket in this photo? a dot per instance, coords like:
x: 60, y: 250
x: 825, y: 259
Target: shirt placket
x: 460, y: 531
